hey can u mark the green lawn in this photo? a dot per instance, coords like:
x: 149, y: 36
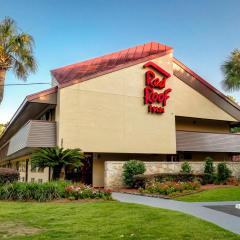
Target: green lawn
x: 217, y: 194
x: 102, y: 220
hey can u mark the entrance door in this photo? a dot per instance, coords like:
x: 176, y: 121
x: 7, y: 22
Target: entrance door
x: 82, y: 174
x: 87, y: 169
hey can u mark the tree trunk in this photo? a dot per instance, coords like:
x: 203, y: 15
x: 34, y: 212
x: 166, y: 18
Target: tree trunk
x: 57, y: 172
x: 2, y: 80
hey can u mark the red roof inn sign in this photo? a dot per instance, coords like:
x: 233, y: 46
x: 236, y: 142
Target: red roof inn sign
x: 152, y: 97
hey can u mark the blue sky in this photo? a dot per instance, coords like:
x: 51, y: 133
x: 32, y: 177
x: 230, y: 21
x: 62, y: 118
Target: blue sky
x: 202, y: 33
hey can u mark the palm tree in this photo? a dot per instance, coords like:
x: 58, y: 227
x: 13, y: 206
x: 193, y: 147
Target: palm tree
x: 231, y: 71
x: 57, y: 159
x: 16, y: 52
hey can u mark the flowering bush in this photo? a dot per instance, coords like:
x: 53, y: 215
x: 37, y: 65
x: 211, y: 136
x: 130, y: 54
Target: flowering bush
x: 170, y: 188
x: 83, y: 191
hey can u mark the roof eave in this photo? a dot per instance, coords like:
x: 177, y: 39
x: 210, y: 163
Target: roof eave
x: 206, y: 83
x: 25, y: 102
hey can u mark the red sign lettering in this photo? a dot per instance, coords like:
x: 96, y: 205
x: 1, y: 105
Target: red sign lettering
x: 152, y: 96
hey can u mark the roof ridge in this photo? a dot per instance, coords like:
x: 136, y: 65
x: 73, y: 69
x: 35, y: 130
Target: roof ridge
x: 108, y: 54
x: 98, y: 65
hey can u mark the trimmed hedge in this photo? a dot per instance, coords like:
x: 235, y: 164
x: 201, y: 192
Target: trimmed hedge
x: 8, y: 175
x: 141, y: 179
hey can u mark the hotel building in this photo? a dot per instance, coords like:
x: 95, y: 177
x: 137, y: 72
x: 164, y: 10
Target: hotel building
x: 138, y: 103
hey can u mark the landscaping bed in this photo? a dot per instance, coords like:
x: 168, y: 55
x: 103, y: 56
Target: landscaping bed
x: 174, y: 185
x: 157, y: 195
x: 232, y: 193
x: 51, y: 191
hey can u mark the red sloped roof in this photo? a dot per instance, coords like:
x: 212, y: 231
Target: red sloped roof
x: 100, y: 65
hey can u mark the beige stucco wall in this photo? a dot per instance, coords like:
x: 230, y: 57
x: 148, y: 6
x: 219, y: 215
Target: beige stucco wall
x: 107, y: 114
x: 190, y: 103
x: 37, y: 176
x: 202, y: 125
x: 113, y: 170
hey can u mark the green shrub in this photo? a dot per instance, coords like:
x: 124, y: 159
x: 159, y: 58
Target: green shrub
x: 33, y: 191
x: 209, y: 176
x: 8, y: 175
x: 186, y: 168
x: 141, y: 180
x: 130, y: 169
x: 223, y: 173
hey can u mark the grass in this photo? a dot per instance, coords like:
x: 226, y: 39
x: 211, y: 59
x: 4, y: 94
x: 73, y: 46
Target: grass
x: 212, y: 195
x: 102, y: 220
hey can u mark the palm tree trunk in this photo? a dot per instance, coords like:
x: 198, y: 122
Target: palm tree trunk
x: 2, y: 80
x: 57, y: 172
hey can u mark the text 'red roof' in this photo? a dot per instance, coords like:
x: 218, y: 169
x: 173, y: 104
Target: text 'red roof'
x: 81, y: 71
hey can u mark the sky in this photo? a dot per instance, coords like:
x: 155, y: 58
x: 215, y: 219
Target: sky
x: 202, y: 33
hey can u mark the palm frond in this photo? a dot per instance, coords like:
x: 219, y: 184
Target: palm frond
x: 51, y: 157
x: 7, y: 29
x: 231, y: 72
x: 16, y: 49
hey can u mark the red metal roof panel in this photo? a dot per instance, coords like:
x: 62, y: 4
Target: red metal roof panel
x: 107, y: 62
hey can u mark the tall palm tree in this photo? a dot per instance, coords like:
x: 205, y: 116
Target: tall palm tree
x: 16, y: 52
x: 231, y: 71
x: 57, y: 159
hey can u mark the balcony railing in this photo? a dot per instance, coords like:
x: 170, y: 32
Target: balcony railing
x: 207, y: 142
x: 33, y: 134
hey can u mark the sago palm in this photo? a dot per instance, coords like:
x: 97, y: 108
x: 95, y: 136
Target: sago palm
x: 231, y: 71
x: 16, y: 52
x: 57, y: 158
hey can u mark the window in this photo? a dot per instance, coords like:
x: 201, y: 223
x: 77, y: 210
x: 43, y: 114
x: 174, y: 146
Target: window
x: 48, y: 115
x: 22, y: 166
x: 236, y: 158
x: 40, y: 180
x: 187, y: 156
x: 17, y: 166
x: 32, y: 179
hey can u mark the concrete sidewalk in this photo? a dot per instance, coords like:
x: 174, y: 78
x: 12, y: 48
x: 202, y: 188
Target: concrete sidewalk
x: 226, y: 221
